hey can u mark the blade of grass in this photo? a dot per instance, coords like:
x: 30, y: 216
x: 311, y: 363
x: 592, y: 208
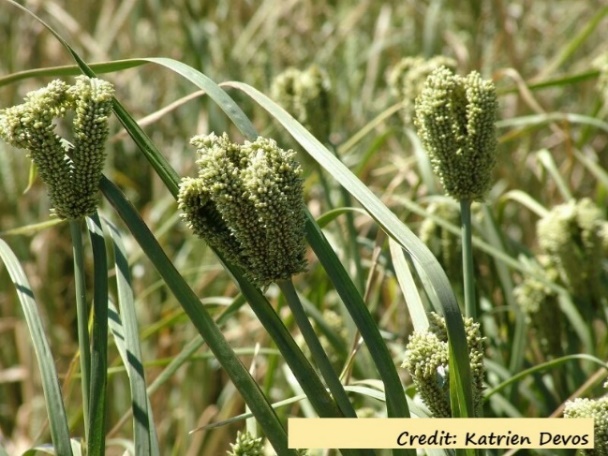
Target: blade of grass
x: 99, y: 347
x: 318, y: 354
x: 554, y: 363
x: 546, y: 159
x: 70, y: 70
x: 182, y: 358
x: 82, y: 315
x: 539, y: 120
x: 144, y: 434
x: 60, y: 433
x: 408, y: 287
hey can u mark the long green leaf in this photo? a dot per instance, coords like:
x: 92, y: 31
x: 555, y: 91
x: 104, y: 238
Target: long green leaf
x: 417, y: 312
x: 146, y: 442
x: 46, y: 362
x: 70, y: 70
x: 396, y: 403
x: 99, y: 347
x: 82, y: 318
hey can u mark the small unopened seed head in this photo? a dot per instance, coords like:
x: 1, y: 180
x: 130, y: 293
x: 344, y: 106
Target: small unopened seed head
x: 598, y: 410
x: 455, y: 121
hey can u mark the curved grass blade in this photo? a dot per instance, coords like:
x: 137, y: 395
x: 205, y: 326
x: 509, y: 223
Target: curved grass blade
x: 539, y: 120
x: 60, y: 433
x: 546, y: 159
x: 82, y: 316
x: 460, y: 382
x: 574, y: 44
x: 554, y: 363
x: 70, y: 70
x: 144, y: 433
x: 99, y: 339
x: 404, y: 276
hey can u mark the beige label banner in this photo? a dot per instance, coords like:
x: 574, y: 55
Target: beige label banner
x: 545, y: 433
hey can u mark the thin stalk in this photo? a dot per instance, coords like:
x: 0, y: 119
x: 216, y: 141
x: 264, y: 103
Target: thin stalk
x: 470, y: 305
x: 82, y: 314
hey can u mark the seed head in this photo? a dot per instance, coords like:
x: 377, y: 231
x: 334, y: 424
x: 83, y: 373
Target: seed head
x: 455, y: 121
x: 305, y: 95
x: 427, y: 361
x: 573, y: 235
x: 71, y: 171
x: 598, y: 410
x: 247, y: 202
x: 246, y: 445
x: 407, y: 78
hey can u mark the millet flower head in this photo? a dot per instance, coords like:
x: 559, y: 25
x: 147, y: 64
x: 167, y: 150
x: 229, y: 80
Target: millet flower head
x: 427, y: 361
x: 455, y: 121
x: 71, y: 171
x: 573, y: 236
x: 407, y: 78
x: 305, y: 95
x: 247, y: 203
x: 598, y: 410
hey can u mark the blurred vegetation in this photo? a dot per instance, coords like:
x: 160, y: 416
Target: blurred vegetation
x: 540, y: 55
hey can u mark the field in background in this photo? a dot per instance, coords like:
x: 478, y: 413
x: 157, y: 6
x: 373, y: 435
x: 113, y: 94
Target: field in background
x: 540, y: 55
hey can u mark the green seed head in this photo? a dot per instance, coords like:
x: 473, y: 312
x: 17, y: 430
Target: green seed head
x: 427, y: 361
x: 305, y: 95
x: 407, y: 78
x: 246, y: 445
x: 540, y: 305
x: 247, y: 202
x: 71, y: 171
x: 598, y: 410
x: 455, y: 121
x: 573, y: 235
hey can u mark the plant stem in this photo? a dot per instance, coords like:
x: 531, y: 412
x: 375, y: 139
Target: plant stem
x: 82, y: 315
x: 467, y: 260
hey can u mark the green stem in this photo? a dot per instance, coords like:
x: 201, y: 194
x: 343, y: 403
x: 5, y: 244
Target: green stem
x: 467, y: 260
x: 82, y: 315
